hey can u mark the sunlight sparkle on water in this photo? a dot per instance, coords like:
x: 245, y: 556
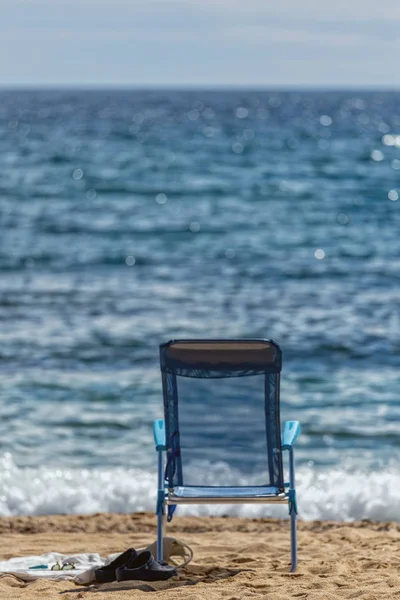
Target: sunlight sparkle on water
x: 325, y: 120
x: 383, y: 127
x: 396, y: 164
x: 242, y: 112
x: 194, y: 226
x: 237, y: 147
x: 391, y: 140
x: 377, y: 155
x: 343, y: 219
x: 161, y: 198
x: 91, y: 194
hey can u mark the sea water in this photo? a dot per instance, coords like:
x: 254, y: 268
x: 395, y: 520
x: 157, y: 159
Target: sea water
x: 131, y: 217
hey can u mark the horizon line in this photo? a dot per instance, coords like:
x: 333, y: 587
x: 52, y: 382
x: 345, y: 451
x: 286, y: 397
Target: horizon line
x: 197, y: 87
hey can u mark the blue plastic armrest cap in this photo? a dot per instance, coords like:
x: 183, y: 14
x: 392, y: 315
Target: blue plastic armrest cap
x: 291, y: 431
x: 159, y: 434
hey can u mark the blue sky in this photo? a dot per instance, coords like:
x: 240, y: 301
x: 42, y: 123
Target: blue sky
x: 200, y: 42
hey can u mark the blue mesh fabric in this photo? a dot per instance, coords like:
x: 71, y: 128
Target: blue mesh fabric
x: 270, y: 456
x: 173, y: 470
x: 272, y: 427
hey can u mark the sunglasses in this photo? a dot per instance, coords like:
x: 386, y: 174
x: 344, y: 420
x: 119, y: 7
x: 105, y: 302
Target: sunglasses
x: 64, y: 567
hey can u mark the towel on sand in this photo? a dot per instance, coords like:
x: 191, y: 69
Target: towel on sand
x: 29, y: 568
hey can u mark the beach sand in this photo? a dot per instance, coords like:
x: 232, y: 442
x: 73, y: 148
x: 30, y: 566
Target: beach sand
x: 234, y: 558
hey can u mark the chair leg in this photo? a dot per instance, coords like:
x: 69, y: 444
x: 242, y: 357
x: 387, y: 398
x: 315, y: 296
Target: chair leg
x: 292, y: 512
x: 293, y: 538
x: 160, y: 508
x: 160, y: 535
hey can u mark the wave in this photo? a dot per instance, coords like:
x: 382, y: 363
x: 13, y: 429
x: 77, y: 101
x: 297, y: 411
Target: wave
x: 339, y: 494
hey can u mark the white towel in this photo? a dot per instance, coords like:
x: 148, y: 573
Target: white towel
x: 22, y: 567
x: 85, y: 564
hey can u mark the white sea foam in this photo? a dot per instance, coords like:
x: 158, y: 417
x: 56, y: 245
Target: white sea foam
x: 335, y: 493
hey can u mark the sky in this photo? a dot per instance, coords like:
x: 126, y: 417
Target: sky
x: 194, y: 43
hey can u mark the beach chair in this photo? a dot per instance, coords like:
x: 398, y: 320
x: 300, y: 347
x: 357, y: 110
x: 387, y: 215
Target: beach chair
x: 243, y: 427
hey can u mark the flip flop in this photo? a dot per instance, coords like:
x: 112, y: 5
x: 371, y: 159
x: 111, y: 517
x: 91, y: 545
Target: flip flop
x: 107, y: 573
x: 144, y: 567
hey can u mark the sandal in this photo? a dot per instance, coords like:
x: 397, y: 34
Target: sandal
x: 144, y: 567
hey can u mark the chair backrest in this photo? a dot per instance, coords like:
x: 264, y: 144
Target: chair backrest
x: 240, y: 419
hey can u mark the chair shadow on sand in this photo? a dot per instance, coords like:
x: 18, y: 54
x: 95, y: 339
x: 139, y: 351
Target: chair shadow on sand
x: 188, y: 576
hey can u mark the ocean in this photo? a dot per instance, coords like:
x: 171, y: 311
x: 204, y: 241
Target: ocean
x: 128, y: 218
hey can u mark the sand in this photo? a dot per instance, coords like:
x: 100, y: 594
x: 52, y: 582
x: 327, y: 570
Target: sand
x: 234, y: 558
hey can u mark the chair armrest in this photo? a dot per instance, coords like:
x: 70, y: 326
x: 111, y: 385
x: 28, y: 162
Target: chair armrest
x: 291, y: 431
x: 159, y: 434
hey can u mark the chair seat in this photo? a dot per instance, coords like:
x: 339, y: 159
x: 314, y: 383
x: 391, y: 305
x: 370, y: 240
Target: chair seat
x: 226, y: 495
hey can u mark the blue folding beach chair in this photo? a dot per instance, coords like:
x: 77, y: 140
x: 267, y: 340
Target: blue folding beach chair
x: 222, y: 438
